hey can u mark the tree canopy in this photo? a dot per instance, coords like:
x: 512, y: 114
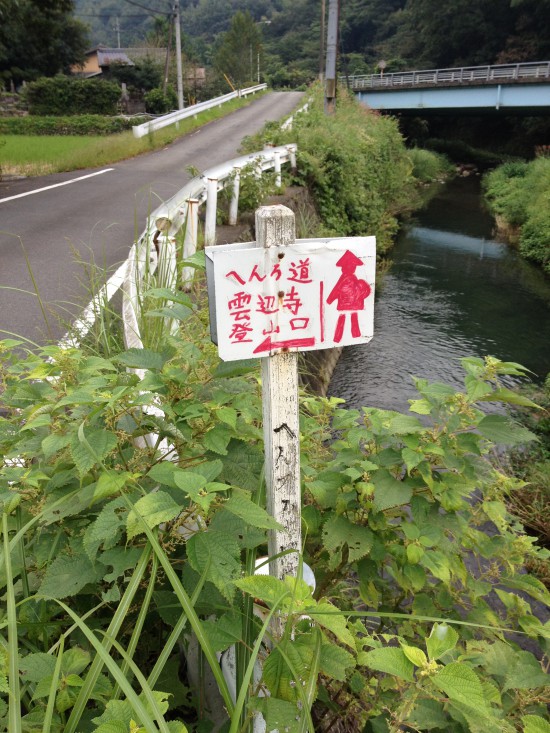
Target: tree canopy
x: 39, y: 38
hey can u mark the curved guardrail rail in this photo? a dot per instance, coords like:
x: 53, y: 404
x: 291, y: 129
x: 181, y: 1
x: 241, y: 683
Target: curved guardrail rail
x: 180, y: 114
x: 157, y: 245
x: 502, y: 73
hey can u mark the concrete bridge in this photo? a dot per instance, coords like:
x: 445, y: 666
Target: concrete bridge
x: 511, y: 88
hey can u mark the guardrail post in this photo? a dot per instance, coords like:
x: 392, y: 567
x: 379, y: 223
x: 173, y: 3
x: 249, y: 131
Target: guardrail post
x: 190, y: 240
x: 277, y: 167
x: 211, y: 211
x: 292, y: 154
x: 234, y: 204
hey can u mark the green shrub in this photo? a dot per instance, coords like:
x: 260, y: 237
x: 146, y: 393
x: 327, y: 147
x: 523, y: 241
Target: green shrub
x: 355, y: 164
x: 534, y: 241
x: 429, y: 166
x: 63, y: 95
x: 394, y: 507
x: 157, y: 103
x: 520, y: 194
x: 73, y: 125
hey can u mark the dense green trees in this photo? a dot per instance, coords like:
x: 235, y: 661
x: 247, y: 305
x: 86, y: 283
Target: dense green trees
x: 38, y: 38
x: 238, y: 55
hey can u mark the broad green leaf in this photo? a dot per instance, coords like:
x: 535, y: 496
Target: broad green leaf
x: 286, y: 667
x: 154, y: 509
x: 338, y: 532
x: 461, y: 684
x: 280, y: 715
x: 189, y: 481
x: 405, y: 425
x: 336, y: 661
x: 535, y: 724
x: 74, y: 661
x: 236, y: 368
x: 415, y: 655
x: 501, y: 430
x: 243, y: 465
x: 224, y: 631
x: 263, y: 587
x: 36, y: 666
x: 109, y: 483
x: 66, y: 576
x: 420, y: 407
x: 106, y: 529
x: 218, y: 554
x: 113, y: 726
x: 141, y: 359
x: 242, y: 506
x: 389, y: 492
x: 177, y: 311
x: 119, y: 559
x: 442, y: 639
x: 331, y: 618
x: 391, y: 660
x: 412, y: 458
x: 428, y: 714
x: 227, y: 415
x: 526, y: 673
x: 217, y: 439
x: 54, y: 443
x: 476, y: 388
x: 510, y: 397
x: 90, y: 448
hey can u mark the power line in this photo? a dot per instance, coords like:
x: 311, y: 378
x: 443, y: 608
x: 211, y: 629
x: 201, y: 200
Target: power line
x: 144, y: 7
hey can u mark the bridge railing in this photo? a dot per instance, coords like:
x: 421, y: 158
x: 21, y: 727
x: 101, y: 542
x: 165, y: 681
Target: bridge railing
x: 502, y: 73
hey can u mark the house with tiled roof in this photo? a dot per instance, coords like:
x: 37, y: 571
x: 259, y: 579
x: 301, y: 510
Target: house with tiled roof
x: 99, y: 59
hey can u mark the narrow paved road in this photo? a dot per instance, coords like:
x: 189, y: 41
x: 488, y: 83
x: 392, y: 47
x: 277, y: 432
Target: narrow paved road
x: 99, y: 217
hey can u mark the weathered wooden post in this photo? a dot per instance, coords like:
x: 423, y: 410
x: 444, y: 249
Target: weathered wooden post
x: 275, y: 227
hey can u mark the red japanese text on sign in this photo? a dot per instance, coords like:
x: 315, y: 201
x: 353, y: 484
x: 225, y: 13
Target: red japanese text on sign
x: 310, y: 295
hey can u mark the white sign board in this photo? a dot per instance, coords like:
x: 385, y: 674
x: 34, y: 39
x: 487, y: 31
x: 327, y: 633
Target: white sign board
x: 314, y: 294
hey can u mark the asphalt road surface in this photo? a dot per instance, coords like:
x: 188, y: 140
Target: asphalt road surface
x: 99, y: 217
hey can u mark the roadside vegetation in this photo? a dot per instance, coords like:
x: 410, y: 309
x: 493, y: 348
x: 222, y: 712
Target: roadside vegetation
x: 518, y: 195
x: 113, y: 559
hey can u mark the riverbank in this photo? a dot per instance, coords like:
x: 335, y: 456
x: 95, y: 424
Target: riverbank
x: 517, y: 195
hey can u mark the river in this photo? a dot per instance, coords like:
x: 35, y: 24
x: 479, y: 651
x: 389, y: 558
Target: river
x: 452, y: 291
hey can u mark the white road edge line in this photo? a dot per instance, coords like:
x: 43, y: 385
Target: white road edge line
x: 55, y: 185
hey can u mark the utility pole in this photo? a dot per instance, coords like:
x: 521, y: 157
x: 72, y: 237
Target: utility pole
x: 322, y: 41
x: 332, y: 47
x: 117, y: 31
x: 181, y: 104
x: 167, y: 60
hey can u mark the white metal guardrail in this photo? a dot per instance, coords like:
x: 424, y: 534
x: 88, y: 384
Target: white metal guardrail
x: 181, y: 114
x: 503, y: 73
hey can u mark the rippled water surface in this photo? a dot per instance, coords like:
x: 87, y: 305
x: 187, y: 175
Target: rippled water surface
x: 452, y: 292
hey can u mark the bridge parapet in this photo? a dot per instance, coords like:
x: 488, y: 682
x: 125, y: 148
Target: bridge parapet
x: 538, y: 71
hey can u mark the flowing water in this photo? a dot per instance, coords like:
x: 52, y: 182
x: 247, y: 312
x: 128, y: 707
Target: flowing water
x: 453, y: 291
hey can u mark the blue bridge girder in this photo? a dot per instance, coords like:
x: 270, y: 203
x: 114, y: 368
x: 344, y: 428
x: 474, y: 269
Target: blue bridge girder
x: 513, y: 88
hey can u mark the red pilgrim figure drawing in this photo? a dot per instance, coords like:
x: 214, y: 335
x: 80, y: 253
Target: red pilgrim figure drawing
x: 349, y: 293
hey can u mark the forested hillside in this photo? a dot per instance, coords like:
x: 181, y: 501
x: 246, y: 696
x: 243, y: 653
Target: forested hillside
x: 405, y: 33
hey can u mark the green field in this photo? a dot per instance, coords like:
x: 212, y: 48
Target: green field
x: 42, y: 154
x: 36, y: 155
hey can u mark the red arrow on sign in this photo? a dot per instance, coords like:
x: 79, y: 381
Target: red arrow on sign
x: 269, y: 345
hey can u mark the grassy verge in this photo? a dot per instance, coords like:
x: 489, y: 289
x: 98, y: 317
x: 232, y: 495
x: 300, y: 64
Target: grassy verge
x: 44, y: 154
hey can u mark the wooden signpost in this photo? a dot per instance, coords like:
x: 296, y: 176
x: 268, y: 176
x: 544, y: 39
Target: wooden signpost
x: 271, y: 299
